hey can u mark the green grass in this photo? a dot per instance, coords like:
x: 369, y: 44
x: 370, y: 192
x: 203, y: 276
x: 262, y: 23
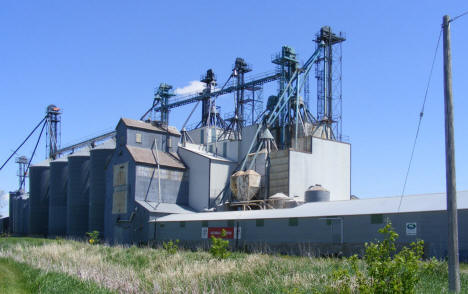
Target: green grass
x: 19, y: 278
x: 63, y: 266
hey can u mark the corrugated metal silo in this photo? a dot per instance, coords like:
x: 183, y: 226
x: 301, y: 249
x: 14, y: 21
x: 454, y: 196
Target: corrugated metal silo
x: 20, y: 217
x: 39, y: 198
x: 78, y: 194
x: 58, y: 197
x: 97, y: 192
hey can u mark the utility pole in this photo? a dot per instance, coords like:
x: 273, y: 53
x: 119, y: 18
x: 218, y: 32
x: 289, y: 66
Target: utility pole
x: 453, y: 262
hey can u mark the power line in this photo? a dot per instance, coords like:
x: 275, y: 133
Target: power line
x: 34, y: 152
x: 456, y: 17
x: 421, y: 115
x: 30, y: 134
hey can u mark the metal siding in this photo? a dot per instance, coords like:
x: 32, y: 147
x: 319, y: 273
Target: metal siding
x: 174, y: 185
x: 147, y: 139
x: 220, y: 175
x: 78, y: 196
x: 329, y: 165
x: 315, y: 235
x: 114, y: 233
x: 39, y: 199
x: 97, y: 190
x: 58, y: 198
x: 198, y: 178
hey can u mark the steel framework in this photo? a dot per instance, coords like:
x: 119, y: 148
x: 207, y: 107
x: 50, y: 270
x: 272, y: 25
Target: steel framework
x: 328, y: 74
x: 22, y: 162
x: 53, y: 130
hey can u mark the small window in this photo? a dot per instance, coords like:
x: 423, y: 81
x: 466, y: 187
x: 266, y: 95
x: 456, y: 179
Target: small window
x: 182, y: 224
x: 161, y: 225
x: 260, y: 222
x: 138, y: 138
x: 230, y: 223
x: 211, y: 149
x: 204, y: 224
x: 376, y: 219
x: 293, y: 222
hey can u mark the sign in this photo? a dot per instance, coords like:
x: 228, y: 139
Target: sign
x: 217, y: 232
x: 411, y: 229
x: 231, y: 232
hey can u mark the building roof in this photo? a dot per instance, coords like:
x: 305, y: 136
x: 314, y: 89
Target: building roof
x: 165, y: 207
x: 83, y: 152
x: 382, y: 205
x: 63, y: 159
x: 44, y: 163
x: 108, y: 144
x: 148, y: 156
x: 138, y: 124
x: 195, y: 148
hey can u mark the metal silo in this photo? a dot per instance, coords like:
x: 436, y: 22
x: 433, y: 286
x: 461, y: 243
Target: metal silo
x: 97, y: 192
x: 78, y: 194
x: 39, y: 198
x: 21, y: 214
x: 58, y: 197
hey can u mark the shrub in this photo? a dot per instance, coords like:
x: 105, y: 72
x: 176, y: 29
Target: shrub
x: 219, y: 246
x: 93, y: 237
x: 171, y: 247
x: 386, y: 270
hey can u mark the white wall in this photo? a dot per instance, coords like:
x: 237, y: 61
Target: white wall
x: 220, y: 174
x: 248, y: 134
x: 329, y: 165
x: 199, y: 181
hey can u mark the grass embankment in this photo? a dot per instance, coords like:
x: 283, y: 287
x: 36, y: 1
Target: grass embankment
x: 145, y: 270
x: 20, y: 278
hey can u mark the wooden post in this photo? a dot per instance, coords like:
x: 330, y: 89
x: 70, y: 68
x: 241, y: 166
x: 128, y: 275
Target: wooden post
x: 453, y: 261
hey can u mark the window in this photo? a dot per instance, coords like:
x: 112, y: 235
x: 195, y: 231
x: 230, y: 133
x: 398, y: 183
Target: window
x: 376, y: 219
x: 161, y: 225
x: 230, y: 223
x: 293, y: 222
x: 260, y: 222
x: 138, y: 138
x: 204, y: 224
x: 182, y: 224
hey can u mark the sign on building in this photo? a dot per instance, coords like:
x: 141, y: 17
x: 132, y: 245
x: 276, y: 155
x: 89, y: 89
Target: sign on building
x: 411, y: 229
x: 231, y: 232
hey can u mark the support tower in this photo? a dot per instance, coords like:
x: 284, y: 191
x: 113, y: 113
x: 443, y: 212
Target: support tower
x: 162, y: 96
x: 22, y: 162
x: 53, y: 130
x: 328, y: 74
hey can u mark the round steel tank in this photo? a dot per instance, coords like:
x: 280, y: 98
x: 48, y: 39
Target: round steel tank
x: 316, y: 194
x: 39, y: 175
x: 97, y: 188
x: 58, y: 197
x: 78, y: 194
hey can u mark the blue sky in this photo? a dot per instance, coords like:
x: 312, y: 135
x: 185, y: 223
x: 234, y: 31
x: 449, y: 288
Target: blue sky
x: 101, y: 60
